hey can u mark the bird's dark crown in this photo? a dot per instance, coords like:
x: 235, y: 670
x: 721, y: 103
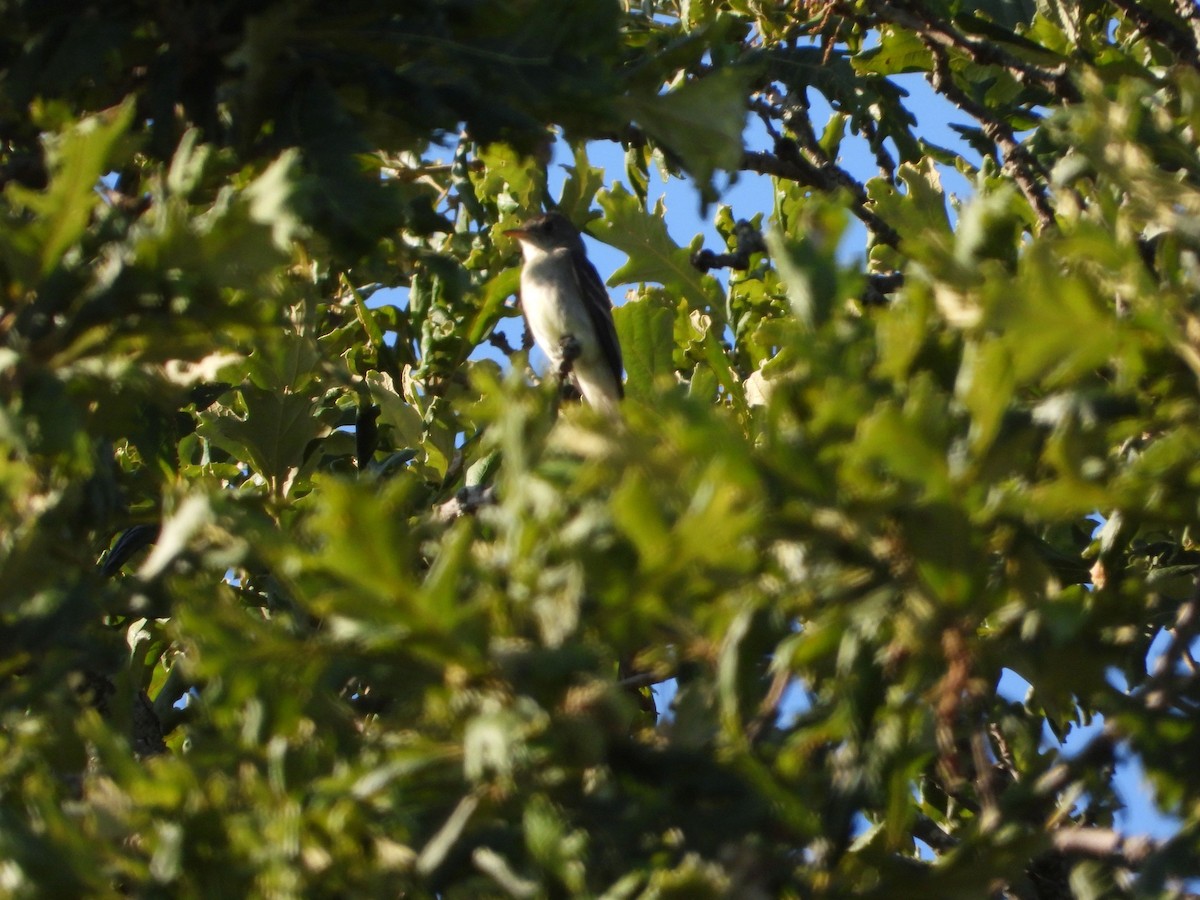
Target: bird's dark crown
x: 551, y: 229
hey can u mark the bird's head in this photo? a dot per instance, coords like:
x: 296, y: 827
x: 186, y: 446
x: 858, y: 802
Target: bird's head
x: 546, y: 232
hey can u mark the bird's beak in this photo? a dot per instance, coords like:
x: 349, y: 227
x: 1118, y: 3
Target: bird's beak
x: 517, y: 233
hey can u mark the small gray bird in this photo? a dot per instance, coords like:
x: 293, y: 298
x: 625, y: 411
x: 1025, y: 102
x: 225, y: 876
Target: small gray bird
x: 568, y: 310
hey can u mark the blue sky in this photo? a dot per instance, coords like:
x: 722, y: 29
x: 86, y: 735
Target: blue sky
x: 751, y: 193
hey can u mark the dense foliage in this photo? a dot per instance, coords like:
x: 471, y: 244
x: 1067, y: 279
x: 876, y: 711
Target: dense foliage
x: 307, y: 594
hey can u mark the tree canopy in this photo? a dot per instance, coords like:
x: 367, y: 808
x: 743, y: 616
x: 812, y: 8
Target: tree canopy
x: 312, y: 588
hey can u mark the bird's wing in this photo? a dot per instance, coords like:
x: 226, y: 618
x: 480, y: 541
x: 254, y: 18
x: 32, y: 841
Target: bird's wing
x: 599, y: 309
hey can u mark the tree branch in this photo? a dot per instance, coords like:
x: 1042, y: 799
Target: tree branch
x: 1100, y: 751
x: 931, y: 833
x: 830, y: 179
x: 1155, y: 28
x: 768, y: 708
x: 1105, y: 844
x: 500, y: 342
x: 879, y: 285
x: 748, y: 241
x: 1023, y: 168
x: 1158, y: 693
x: 1055, y: 81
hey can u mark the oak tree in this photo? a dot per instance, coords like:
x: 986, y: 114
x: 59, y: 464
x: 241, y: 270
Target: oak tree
x: 310, y: 586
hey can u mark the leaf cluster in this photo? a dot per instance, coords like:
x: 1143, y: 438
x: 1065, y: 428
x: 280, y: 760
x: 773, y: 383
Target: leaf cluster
x: 309, y: 589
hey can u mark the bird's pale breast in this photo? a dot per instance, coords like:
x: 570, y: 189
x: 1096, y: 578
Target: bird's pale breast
x: 552, y: 306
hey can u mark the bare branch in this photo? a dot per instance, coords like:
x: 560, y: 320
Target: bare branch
x: 1003, y: 751
x: 887, y: 165
x: 985, y: 779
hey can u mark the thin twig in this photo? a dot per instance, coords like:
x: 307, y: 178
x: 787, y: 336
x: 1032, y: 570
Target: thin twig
x: 1003, y: 751
x: 768, y: 709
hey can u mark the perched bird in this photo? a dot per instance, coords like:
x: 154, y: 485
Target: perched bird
x: 568, y: 310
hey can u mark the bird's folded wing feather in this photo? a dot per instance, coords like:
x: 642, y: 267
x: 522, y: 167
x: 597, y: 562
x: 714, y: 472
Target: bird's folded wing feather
x: 599, y: 310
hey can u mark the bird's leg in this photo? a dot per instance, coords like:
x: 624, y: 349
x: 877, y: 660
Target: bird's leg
x: 569, y: 351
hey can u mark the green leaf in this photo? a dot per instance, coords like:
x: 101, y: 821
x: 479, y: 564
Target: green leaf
x: 511, y: 175
x: 637, y: 514
x: 723, y: 369
x: 940, y: 539
x: 272, y: 200
x: 985, y: 385
x: 188, y: 165
x: 989, y: 227
x: 903, y: 447
x: 271, y: 435
x: 395, y: 412
x: 899, y: 51
x: 1011, y: 14
x: 703, y: 383
x: 920, y: 214
x: 493, y: 296
x: 447, y: 836
x: 1052, y: 343
x: 287, y: 364
x: 701, y: 122
x: 65, y: 208
x: 579, y: 190
x: 179, y: 527
x: 645, y: 328
x: 653, y: 256
x: 808, y: 278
